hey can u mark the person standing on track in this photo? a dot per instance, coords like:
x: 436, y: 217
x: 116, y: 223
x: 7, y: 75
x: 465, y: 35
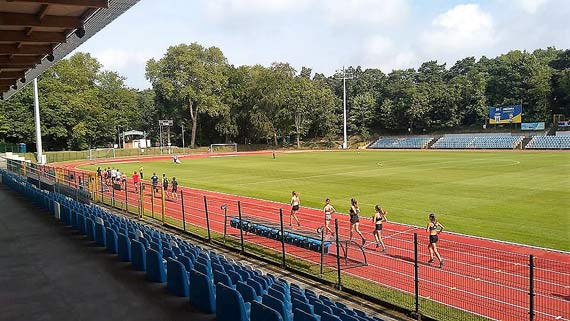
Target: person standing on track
x: 141, y: 172
x: 154, y: 180
x: 165, y: 184
x: 136, y: 181
x: 378, y: 218
x: 174, y: 188
x: 434, y: 228
x: 354, y: 219
x: 295, y: 202
x: 329, y: 211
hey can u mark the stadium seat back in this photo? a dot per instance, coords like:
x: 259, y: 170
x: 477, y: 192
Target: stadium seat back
x: 230, y: 304
x: 261, y: 312
x: 177, y: 278
x: 202, y: 294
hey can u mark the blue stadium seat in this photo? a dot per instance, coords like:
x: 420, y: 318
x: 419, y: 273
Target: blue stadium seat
x: 138, y: 255
x: 297, y: 304
x: 111, y: 240
x: 204, y: 269
x: 81, y: 223
x: 345, y: 317
x: 100, y: 234
x: 277, y: 305
x: 155, y: 271
x: 177, y: 278
x: 90, y: 229
x: 187, y: 262
x: 256, y: 286
x: 247, y: 292
x: 329, y: 317
x: 261, y: 312
x: 300, y: 315
x: 230, y: 304
x: 124, y: 248
x: 320, y: 308
x: 221, y: 277
x: 202, y: 294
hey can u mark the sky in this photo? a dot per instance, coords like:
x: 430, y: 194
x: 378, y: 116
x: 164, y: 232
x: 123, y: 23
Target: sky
x: 327, y: 34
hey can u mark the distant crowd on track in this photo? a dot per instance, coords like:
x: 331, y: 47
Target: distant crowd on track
x: 113, y: 177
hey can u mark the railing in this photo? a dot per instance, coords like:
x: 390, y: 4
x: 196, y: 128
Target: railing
x: 476, y: 283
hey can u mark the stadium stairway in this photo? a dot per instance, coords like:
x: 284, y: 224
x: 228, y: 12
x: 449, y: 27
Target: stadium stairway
x: 156, y: 247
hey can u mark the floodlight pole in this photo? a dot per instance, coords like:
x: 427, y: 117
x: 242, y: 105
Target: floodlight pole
x: 160, y: 129
x: 183, y: 139
x: 345, y: 76
x: 37, y: 123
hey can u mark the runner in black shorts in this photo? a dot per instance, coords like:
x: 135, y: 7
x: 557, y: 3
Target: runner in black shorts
x: 165, y: 184
x: 154, y: 180
x: 295, y: 202
x: 434, y: 228
x: 174, y: 188
x: 378, y: 218
x: 354, y: 219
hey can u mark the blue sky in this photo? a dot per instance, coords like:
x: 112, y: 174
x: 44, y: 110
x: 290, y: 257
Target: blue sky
x: 327, y: 34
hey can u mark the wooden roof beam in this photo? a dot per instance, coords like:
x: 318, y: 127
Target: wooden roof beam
x: 31, y: 20
x: 81, y: 3
x: 16, y: 66
x: 37, y: 36
x: 26, y: 49
x: 7, y: 82
x: 11, y: 74
x: 17, y: 60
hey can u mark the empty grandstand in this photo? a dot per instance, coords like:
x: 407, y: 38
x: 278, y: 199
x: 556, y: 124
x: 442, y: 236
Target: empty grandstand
x: 560, y: 141
x: 417, y: 142
x: 478, y: 141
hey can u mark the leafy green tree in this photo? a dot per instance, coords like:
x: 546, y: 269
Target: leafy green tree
x: 192, y: 77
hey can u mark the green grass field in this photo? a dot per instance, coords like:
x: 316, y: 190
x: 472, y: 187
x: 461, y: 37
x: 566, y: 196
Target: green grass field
x: 522, y: 197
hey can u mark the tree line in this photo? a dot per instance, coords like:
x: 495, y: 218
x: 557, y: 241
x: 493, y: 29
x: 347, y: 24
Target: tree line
x: 84, y: 106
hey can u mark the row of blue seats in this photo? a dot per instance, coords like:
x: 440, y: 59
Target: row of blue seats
x: 212, y: 282
x: 549, y: 142
x: 303, y: 241
x: 401, y: 142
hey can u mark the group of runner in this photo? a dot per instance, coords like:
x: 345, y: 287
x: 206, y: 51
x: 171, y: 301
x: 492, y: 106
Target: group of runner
x: 378, y: 218
x: 173, y: 193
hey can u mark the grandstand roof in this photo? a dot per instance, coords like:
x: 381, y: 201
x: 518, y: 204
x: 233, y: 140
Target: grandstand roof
x: 35, y: 34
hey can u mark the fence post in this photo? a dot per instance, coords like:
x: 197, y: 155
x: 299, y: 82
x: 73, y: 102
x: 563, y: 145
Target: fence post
x: 141, y: 202
x: 207, y: 219
x: 126, y: 198
x: 531, y: 287
x: 182, y: 204
x: 113, y: 192
x: 152, y: 202
x: 339, y: 282
x: 162, y: 203
x: 416, y: 277
x: 322, y: 248
x: 240, y: 227
x: 283, y: 262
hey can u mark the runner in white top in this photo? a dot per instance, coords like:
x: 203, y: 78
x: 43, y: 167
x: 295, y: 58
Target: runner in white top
x: 329, y: 211
x: 295, y: 202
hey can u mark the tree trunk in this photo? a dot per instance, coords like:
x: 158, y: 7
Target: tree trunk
x: 275, y: 139
x: 298, y: 140
x: 194, y: 117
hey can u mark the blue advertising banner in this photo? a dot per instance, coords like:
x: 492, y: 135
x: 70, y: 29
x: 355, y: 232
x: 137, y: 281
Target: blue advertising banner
x: 505, y: 114
x: 533, y: 126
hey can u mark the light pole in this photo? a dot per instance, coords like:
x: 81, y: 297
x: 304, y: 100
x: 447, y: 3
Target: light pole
x: 183, y: 152
x: 345, y: 75
x: 37, y: 123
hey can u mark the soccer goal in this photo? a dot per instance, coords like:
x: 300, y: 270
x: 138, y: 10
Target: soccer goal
x: 223, y: 148
x: 96, y: 153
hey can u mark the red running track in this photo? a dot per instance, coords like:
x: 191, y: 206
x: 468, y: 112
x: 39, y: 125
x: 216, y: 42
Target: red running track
x: 486, y: 277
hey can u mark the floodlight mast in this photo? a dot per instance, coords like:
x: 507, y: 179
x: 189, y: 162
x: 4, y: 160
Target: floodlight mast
x: 345, y: 75
x: 37, y: 123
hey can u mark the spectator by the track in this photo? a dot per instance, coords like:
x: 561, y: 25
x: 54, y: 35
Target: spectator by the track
x: 141, y: 172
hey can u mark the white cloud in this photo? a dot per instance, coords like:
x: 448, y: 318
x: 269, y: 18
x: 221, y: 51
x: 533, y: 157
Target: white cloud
x: 382, y: 52
x: 464, y: 27
x: 379, y: 12
x: 223, y: 8
x: 531, y: 6
x: 121, y: 59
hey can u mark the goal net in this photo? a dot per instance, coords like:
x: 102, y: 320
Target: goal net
x: 223, y: 148
x: 96, y: 153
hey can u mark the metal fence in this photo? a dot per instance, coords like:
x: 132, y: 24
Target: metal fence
x: 477, y: 282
